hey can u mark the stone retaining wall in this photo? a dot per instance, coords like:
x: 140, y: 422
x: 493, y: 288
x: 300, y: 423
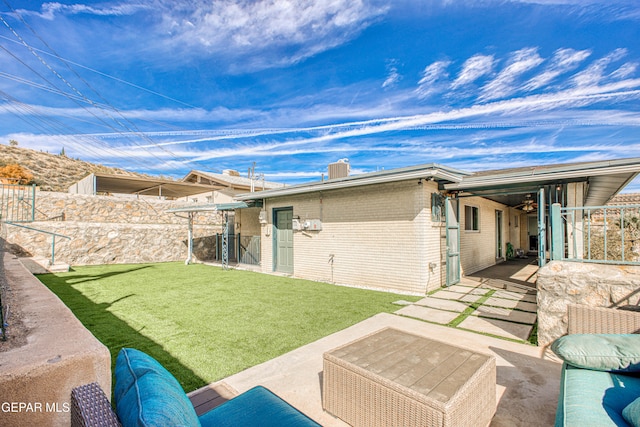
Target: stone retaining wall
x: 110, y: 243
x: 58, y: 354
x: 597, y: 285
x: 113, y: 230
x: 116, y: 209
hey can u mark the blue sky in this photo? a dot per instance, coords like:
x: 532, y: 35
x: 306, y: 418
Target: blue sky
x: 163, y: 87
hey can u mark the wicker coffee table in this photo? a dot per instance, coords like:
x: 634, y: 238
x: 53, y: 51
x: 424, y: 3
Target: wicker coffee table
x: 394, y: 378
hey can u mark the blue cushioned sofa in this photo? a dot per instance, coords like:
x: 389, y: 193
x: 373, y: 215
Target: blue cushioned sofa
x: 600, y: 383
x: 147, y: 395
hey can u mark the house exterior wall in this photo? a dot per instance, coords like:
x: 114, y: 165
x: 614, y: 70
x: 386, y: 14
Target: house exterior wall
x: 378, y: 236
x: 478, y: 248
x: 515, y: 227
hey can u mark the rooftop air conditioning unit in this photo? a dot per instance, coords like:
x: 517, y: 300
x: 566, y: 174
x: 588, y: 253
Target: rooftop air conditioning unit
x: 339, y: 169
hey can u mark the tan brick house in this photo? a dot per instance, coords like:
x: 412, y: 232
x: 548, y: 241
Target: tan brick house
x: 417, y: 228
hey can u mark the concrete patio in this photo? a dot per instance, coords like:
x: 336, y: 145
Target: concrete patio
x: 491, y: 311
x: 527, y: 383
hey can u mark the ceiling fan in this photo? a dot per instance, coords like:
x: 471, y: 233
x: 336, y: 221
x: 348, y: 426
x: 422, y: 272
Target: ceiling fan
x: 528, y: 204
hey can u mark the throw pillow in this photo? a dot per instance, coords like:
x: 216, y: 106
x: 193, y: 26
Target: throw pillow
x: 601, y: 352
x: 147, y: 395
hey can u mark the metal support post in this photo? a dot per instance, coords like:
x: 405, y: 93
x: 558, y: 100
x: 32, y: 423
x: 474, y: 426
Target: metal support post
x: 557, y: 233
x: 225, y: 242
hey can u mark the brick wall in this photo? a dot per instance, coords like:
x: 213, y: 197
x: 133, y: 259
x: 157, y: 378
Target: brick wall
x: 377, y: 236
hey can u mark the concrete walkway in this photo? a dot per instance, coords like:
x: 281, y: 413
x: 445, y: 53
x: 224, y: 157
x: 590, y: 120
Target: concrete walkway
x: 499, y: 301
x: 527, y: 383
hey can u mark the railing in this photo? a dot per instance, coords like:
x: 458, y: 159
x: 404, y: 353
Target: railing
x: 249, y: 248
x: 242, y: 249
x: 17, y: 202
x: 4, y: 306
x: 52, y: 234
x: 601, y: 234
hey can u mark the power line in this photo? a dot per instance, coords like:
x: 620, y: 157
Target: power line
x: 79, y: 96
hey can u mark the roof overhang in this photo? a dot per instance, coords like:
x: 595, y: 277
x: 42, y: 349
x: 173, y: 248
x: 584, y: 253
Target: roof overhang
x: 604, y: 179
x: 431, y: 171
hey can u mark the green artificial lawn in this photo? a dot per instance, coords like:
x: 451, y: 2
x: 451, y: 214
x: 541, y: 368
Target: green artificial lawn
x: 204, y: 323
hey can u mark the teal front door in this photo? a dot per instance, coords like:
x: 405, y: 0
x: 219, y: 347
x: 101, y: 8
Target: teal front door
x: 453, y: 242
x: 283, y: 244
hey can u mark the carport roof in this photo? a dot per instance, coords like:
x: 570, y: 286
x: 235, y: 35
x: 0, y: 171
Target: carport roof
x: 148, y: 186
x: 605, y: 179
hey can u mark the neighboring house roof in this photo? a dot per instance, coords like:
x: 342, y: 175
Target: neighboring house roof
x: 625, y: 199
x: 605, y: 178
x: 121, y: 184
x: 226, y: 180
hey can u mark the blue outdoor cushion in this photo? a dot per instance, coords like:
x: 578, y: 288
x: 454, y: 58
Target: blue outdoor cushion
x: 601, y: 352
x: 590, y: 398
x: 256, y: 407
x: 631, y: 413
x: 147, y: 395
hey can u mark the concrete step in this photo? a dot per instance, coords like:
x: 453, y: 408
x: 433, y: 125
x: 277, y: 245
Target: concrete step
x: 42, y: 265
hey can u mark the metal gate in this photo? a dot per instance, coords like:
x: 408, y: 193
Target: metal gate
x: 17, y: 202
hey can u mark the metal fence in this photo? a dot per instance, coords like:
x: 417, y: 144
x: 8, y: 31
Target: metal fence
x: 602, y: 234
x: 242, y: 249
x: 17, y: 202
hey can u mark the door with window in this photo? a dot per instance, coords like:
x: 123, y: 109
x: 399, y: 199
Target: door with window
x: 453, y: 242
x: 283, y: 241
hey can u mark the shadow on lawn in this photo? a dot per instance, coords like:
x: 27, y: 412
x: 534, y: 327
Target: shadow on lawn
x: 112, y: 331
x: 82, y: 278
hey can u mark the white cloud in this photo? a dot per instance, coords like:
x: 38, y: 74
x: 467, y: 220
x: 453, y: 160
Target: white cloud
x: 594, y: 74
x: 474, y: 68
x: 519, y: 63
x: 232, y: 26
x: 563, y: 61
x: 625, y: 71
x: 432, y: 79
x: 50, y: 10
x: 393, y: 76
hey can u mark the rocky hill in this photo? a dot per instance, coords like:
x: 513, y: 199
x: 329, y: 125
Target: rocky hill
x: 53, y: 172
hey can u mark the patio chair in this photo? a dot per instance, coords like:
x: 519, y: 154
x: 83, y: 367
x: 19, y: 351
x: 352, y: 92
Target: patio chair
x: 146, y: 394
x: 600, y: 383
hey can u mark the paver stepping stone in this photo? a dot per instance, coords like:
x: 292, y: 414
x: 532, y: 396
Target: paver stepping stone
x: 500, y: 328
x: 510, y: 303
x: 455, y: 296
x: 505, y: 314
x: 509, y: 286
x: 443, y: 304
x: 467, y: 290
x: 515, y: 295
x: 426, y: 313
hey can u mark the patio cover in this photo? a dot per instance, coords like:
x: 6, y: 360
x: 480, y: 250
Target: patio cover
x: 605, y: 179
x: 122, y: 184
x: 218, y: 207
x: 215, y: 207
